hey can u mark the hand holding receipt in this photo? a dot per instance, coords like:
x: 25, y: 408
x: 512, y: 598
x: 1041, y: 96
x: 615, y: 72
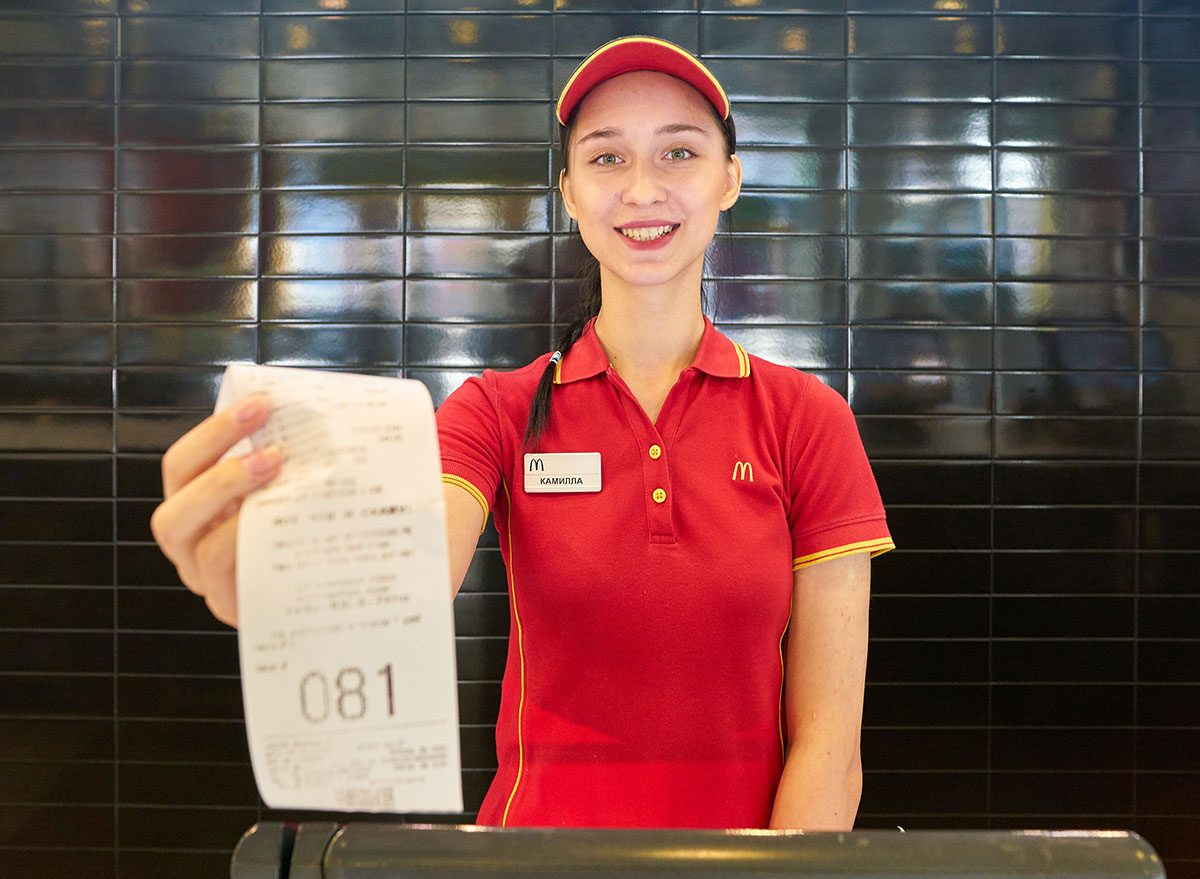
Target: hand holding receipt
x: 346, y: 630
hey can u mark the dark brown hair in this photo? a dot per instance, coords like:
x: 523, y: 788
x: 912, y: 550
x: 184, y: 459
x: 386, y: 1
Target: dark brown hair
x: 588, y: 305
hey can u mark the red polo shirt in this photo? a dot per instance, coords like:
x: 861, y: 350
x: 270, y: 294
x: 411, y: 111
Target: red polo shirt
x: 644, y: 676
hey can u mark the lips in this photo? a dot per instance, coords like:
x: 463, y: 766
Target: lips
x: 647, y: 233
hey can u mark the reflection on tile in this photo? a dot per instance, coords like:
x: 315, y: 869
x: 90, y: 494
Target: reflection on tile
x: 56, y: 432
x: 920, y: 302
x: 191, y: 213
x: 806, y: 212
x: 55, y: 126
x: 51, y: 388
x: 920, y: 79
x: 1171, y: 261
x: 580, y: 34
x: 193, y: 80
x: 792, y: 168
x: 57, y: 35
x: 1066, y: 303
x: 56, y: 256
x: 478, y: 34
x: 477, y: 212
x: 1038, y: 125
x: 478, y: 78
x: 806, y: 348
x: 1065, y: 258
x: 1066, y: 393
x: 920, y: 35
x: 920, y: 348
x: 349, y: 299
x: 1066, y: 349
x: 478, y: 301
x: 321, y: 78
x: 329, y: 344
x: 1172, y: 172
x: 188, y: 169
x: 333, y: 123
x: 185, y: 299
x: 466, y: 168
x: 50, y: 170
x: 874, y: 213
x: 1060, y: 80
x: 788, y: 302
x: 50, y: 213
x: 478, y: 256
x: 1066, y: 169
x: 920, y: 393
x: 70, y: 80
x: 332, y: 168
x: 1063, y: 438
x: 189, y: 125
x: 1169, y: 349
x: 774, y: 35
x: 790, y: 124
x: 919, y: 125
x: 882, y: 168
x: 338, y: 212
x: 180, y: 37
x: 1095, y: 215
x: 773, y: 79
x: 315, y: 255
x: 926, y: 437
x: 190, y: 344
x: 778, y: 257
x: 164, y: 388
x: 333, y: 35
x: 458, y: 345
x: 1060, y: 36
x: 477, y: 122
x: 948, y: 258
x: 179, y: 257
x: 176, y: 7
x: 1171, y: 83
x: 1170, y: 216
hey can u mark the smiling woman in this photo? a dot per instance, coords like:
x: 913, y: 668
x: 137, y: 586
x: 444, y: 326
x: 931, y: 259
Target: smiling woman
x: 689, y: 571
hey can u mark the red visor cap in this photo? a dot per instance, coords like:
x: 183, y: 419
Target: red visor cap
x: 639, y: 53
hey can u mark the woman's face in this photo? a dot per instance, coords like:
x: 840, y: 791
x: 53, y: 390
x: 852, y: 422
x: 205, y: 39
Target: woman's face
x: 647, y: 178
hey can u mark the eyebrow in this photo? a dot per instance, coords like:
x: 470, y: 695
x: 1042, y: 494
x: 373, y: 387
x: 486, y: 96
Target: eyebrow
x: 672, y: 128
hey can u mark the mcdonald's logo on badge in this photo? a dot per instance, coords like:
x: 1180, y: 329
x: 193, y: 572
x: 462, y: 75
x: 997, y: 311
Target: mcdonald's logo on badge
x: 537, y: 465
x: 743, y: 470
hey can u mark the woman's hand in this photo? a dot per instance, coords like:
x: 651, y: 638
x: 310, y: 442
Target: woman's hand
x: 196, y: 524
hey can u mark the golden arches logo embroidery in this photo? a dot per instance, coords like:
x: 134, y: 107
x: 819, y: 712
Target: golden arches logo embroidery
x: 537, y: 465
x: 743, y: 470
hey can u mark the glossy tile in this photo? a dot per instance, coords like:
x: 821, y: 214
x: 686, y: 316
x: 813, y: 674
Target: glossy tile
x: 929, y: 437
x: 466, y: 168
x: 1064, y: 528
x: 347, y: 299
x: 901, y: 35
x: 330, y: 345
x: 1171, y: 38
x: 486, y: 78
x: 172, y: 37
x: 819, y: 125
x: 774, y: 35
x: 56, y: 126
x: 333, y: 35
x: 912, y: 302
x: 952, y: 259
x: 1080, y: 170
x: 186, y: 256
x: 458, y: 345
x: 1172, y: 172
x: 1045, y: 483
x: 1171, y: 261
x: 1096, y: 215
x: 333, y: 78
x: 920, y: 79
x: 59, y: 35
x: 806, y: 348
x: 1033, y: 125
x: 141, y: 169
x: 792, y: 169
x: 317, y: 255
x: 159, y: 387
x: 468, y: 33
x: 186, y: 300
x: 940, y: 483
x: 1054, y: 437
x: 1051, y: 259
x: 1171, y: 393
x: 49, y: 344
x: 477, y: 212
x: 750, y: 79
x: 477, y: 256
x: 190, y: 213
x: 916, y: 661
x: 188, y: 125
x: 193, y: 80
x: 1170, y: 349
x: 38, y: 386
x: 333, y: 123
x: 1066, y: 303
x: 878, y: 213
x: 54, y: 170
x: 460, y: 122
x: 477, y: 301
x: 55, y: 213
x: 1063, y: 80
x: 923, y: 393
x: 919, y: 125
x: 779, y: 257
x: 933, y: 169
x: 1056, y: 750
x: 148, y: 344
x: 332, y: 168
x: 1067, y: 37
x: 1171, y: 82
x: 788, y: 302
x: 1168, y: 216
x: 55, y: 476
x: 580, y: 34
x: 1082, y: 661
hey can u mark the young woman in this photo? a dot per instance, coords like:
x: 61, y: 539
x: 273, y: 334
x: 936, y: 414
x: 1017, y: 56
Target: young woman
x: 689, y: 627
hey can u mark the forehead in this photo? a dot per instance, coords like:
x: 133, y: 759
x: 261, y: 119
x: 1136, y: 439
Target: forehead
x: 644, y: 94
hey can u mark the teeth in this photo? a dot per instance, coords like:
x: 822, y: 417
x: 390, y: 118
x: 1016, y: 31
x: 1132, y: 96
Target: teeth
x: 646, y: 233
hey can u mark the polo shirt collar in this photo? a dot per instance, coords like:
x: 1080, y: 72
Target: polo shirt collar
x: 718, y: 356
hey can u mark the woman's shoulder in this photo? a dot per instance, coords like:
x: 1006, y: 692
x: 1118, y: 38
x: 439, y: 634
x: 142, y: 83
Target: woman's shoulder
x: 504, y: 387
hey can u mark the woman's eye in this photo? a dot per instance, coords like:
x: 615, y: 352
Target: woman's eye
x: 679, y: 153
x: 606, y: 159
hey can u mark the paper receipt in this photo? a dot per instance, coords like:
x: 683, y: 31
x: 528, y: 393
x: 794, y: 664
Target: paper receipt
x: 346, y: 633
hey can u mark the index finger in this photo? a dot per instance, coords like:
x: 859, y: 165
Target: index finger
x: 204, y: 444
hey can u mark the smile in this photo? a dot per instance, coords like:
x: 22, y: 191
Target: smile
x: 648, y: 233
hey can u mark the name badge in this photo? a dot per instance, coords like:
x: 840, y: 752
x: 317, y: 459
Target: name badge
x: 559, y: 472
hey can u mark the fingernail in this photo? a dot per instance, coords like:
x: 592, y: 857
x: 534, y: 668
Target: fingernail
x: 263, y: 461
x: 250, y: 409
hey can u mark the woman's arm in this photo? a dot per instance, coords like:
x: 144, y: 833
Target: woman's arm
x: 196, y: 524
x: 824, y: 676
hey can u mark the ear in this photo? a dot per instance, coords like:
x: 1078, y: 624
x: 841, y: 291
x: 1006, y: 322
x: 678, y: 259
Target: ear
x: 564, y: 186
x: 733, y: 186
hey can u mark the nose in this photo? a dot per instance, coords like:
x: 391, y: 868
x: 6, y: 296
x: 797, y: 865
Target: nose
x: 643, y: 185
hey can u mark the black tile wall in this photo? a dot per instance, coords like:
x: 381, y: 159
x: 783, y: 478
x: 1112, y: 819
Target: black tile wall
x: 978, y: 220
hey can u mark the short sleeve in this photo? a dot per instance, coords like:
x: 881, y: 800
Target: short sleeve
x: 469, y: 438
x: 835, y: 509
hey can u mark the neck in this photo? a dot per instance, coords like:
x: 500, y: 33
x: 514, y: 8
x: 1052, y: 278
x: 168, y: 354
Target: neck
x: 650, y: 332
